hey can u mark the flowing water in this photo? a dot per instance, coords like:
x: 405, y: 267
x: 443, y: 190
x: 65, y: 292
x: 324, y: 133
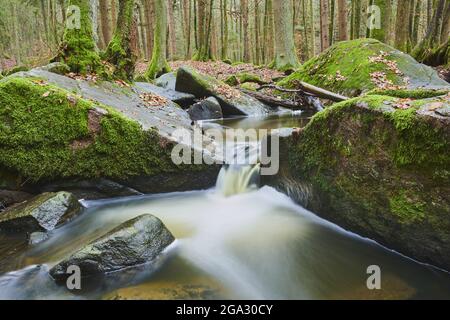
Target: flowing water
x: 235, y: 241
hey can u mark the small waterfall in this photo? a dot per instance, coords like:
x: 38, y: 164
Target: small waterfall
x: 234, y: 179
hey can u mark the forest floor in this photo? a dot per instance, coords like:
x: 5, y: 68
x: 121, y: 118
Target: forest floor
x: 221, y: 70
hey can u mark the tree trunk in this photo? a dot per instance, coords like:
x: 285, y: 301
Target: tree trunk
x: 245, y: 22
x: 324, y: 24
x: 122, y: 51
x: 402, y: 26
x: 148, y: 8
x: 158, y: 64
x: 225, y: 30
x: 445, y: 33
x: 343, y: 22
x: 187, y: 27
x: 433, y: 36
x: 285, y: 53
x: 105, y: 21
x: 172, y: 31
x: 78, y: 49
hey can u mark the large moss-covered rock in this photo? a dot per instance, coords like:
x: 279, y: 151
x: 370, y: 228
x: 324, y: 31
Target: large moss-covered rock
x: 55, y: 128
x: 379, y: 166
x: 233, y: 101
x: 357, y: 66
x: 43, y: 212
x: 137, y: 241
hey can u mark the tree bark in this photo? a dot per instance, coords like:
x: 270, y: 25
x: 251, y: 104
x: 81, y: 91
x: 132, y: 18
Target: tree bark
x: 105, y: 21
x: 158, y: 64
x: 343, y: 22
x: 324, y: 25
x: 285, y: 54
x: 402, y: 26
x: 172, y: 31
x: 122, y: 51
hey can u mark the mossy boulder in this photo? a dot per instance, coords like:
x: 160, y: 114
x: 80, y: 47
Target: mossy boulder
x: 41, y: 213
x: 134, y: 242
x: 233, y: 101
x: 206, y: 109
x: 357, y: 66
x: 379, y: 166
x: 242, y: 78
x: 55, y: 129
x: 167, y: 80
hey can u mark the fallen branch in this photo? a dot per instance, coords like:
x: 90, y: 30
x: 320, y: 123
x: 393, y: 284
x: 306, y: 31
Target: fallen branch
x: 306, y: 88
x: 305, y: 104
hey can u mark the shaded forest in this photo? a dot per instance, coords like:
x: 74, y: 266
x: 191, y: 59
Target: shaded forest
x: 281, y: 34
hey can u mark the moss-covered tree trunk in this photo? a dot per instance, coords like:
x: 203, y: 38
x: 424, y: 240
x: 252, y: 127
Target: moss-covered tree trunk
x: 427, y: 47
x: 285, y: 54
x: 158, y: 64
x: 78, y: 49
x: 122, y: 50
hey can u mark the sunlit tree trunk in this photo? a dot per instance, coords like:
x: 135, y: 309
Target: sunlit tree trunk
x: 324, y: 24
x: 343, y: 22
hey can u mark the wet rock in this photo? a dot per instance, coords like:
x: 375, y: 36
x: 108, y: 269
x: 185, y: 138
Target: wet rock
x: 37, y: 237
x: 132, y: 243
x: 91, y: 189
x: 167, y: 81
x: 232, y: 101
x: 206, y: 109
x: 181, y: 98
x: 8, y: 198
x: 377, y: 169
x: 358, y: 66
x: 43, y: 212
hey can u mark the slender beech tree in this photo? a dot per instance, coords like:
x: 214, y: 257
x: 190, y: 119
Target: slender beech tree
x: 105, y: 21
x: 122, y: 50
x: 402, y: 40
x: 343, y: 21
x: 158, y: 65
x: 285, y: 54
x: 245, y: 23
x: 324, y: 24
x: 172, y: 30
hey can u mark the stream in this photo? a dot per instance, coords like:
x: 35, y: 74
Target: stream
x: 235, y: 241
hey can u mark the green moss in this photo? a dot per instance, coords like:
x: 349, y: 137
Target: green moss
x: 408, y: 210
x: 227, y: 61
x: 78, y: 49
x: 45, y: 136
x: 232, y: 80
x: 346, y: 68
x: 249, y: 86
x: 15, y: 70
x: 410, y: 94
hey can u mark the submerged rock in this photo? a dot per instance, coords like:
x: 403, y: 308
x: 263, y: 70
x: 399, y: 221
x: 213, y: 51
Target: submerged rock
x: 378, y: 166
x: 206, y: 109
x: 134, y: 242
x: 233, y: 101
x: 37, y: 237
x: 357, y: 66
x: 43, y: 212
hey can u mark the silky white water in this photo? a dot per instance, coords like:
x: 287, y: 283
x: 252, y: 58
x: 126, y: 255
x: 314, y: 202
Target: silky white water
x: 236, y: 241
